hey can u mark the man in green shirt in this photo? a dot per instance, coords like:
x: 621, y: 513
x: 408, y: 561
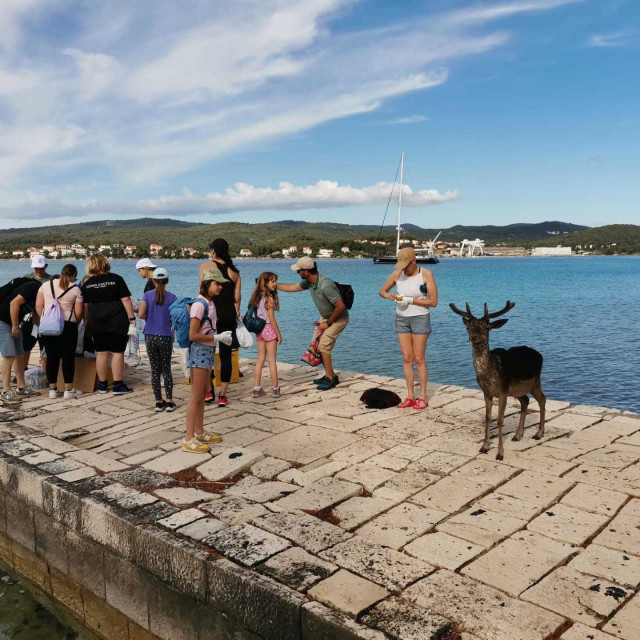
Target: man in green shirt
x: 334, y: 316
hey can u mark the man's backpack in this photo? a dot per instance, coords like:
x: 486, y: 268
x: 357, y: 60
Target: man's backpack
x: 377, y: 398
x: 346, y: 293
x: 181, y: 318
x: 11, y: 286
x: 52, y: 321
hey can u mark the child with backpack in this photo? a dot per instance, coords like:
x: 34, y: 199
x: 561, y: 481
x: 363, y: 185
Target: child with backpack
x: 202, y: 341
x: 158, y: 336
x: 60, y: 306
x: 265, y: 299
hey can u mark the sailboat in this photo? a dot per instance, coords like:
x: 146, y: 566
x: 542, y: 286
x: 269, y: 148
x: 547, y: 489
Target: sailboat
x: 424, y: 259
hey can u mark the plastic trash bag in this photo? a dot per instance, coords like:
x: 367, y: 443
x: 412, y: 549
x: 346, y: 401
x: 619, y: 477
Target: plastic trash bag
x: 245, y: 339
x: 132, y: 350
x: 36, y: 378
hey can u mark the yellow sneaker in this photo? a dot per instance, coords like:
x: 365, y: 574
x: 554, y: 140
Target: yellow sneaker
x: 194, y: 446
x: 207, y: 437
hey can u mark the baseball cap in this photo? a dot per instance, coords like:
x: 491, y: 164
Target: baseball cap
x: 303, y: 263
x: 405, y: 256
x: 145, y: 263
x: 160, y: 274
x: 211, y: 273
x: 38, y: 262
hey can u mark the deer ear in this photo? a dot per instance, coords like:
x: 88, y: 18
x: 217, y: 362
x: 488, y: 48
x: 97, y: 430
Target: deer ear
x: 496, y: 324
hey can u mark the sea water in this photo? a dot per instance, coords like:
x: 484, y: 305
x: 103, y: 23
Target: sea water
x: 581, y: 313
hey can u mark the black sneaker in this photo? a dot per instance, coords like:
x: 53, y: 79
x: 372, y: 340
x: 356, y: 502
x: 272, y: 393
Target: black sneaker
x: 329, y: 384
x: 170, y: 406
x: 103, y: 387
x: 161, y: 406
x: 321, y: 380
x: 120, y: 389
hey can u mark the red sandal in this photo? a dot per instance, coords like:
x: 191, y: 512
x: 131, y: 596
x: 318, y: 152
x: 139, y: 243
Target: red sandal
x: 420, y: 403
x: 407, y: 404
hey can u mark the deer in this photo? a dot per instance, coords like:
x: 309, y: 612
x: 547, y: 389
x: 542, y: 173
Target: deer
x: 502, y: 373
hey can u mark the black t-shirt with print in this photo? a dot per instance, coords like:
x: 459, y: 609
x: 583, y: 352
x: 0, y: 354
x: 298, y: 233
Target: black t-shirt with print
x: 29, y: 291
x: 108, y: 287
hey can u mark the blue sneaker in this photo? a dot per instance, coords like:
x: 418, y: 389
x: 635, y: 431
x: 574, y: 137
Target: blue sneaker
x: 328, y: 384
x: 121, y: 388
x: 103, y: 387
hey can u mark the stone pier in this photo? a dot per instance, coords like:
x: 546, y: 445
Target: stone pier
x: 318, y: 519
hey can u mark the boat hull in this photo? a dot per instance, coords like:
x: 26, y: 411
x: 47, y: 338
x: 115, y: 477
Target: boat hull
x: 393, y: 260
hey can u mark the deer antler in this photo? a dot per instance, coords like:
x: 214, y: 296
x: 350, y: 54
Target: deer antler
x: 495, y: 314
x: 464, y: 314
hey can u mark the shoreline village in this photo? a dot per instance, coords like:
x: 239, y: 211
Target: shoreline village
x: 320, y: 507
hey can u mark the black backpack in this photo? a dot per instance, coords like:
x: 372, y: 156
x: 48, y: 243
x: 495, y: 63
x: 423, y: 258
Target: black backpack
x: 7, y: 289
x: 346, y: 293
x: 377, y: 398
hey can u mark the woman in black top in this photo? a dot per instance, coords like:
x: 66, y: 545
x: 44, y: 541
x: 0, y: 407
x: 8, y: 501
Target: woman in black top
x: 108, y: 313
x: 227, y: 308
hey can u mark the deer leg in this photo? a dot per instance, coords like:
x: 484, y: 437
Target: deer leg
x: 502, y: 405
x: 524, y: 403
x: 488, y: 402
x: 541, y: 398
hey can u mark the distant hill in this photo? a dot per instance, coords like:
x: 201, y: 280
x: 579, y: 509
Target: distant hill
x: 611, y: 238
x: 264, y: 238
x: 176, y: 233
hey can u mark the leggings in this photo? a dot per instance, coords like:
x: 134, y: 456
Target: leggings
x: 159, y: 349
x: 226, y: 324
x: 62, y: 347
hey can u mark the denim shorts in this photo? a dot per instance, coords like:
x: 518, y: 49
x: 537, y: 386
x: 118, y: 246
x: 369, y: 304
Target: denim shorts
x: 200, y: 356
x: 9, y: 346
x: 418, y: 325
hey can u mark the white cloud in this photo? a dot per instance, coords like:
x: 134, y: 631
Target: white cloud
x: 148, y: 91
x: 408, y: 119
x: 241, y: 197
x: 97, y: 71
x: 615, y: 39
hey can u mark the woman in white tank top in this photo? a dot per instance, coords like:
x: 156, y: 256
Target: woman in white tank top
x: 413, y: 320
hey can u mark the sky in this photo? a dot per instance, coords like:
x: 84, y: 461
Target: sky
x: 260, y: 110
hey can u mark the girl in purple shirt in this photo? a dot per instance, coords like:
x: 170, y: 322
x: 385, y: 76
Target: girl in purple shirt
x: 158, y: 336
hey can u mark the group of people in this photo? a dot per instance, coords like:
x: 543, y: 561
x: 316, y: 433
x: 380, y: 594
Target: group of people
x: 103, y: 301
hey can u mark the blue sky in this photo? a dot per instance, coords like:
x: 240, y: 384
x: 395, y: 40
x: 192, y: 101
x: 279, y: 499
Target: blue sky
x: 257, y: 110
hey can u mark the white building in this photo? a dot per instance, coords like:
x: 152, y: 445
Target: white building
x: 67, y: 252
x: 307, y: 251
x: 104, y: 247
x: 245, y: 253
x: 48, y: 248
x: 345, y: 250
x: 130, y: 249
x: 155, y: 249
x: 18, y: 253
x: 325, y: 253
x: 552, y: 251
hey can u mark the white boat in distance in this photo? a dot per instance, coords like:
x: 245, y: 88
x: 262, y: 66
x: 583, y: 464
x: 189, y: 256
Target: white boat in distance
x: 420, y: 259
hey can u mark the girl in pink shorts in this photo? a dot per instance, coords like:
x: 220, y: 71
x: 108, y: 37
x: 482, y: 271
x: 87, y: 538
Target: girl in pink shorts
x: 265, y: 299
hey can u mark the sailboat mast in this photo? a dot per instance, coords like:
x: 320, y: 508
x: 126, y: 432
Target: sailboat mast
x: 398, y: 227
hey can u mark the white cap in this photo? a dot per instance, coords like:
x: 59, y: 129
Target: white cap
x: 38, y: 262
x: 303, y: 263
x: 145, y: 263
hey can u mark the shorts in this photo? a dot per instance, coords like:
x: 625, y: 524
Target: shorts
x: 9, y: 346
x: 28, y: 339
x: 109, y: 341
x: 267, y: 334
x: 329, y: 337
x: 417, y: 325
x: 200, y: 356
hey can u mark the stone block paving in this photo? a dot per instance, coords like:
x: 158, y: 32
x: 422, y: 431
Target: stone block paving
x: 391, y: 518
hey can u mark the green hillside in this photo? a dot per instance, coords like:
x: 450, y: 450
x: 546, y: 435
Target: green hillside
x: 264, y: 238
x: 609, y: 239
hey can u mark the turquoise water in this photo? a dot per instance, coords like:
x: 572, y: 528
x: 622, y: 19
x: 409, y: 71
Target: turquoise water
x: 580, y: 313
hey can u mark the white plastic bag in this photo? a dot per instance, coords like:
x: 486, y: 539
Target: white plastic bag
x: 132, y: 350
x: 245, y: 339
x: 36, y: 378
